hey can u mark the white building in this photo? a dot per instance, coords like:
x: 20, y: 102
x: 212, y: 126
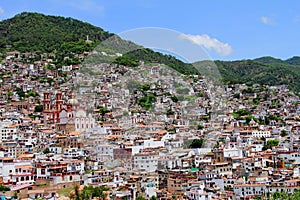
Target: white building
x: 153, y: 144
x: 8, y: 131
x: 198, y: 193
x: 260, y: 134
x: 105, y: 149
x: 150, y: 190
x: 67, y: 68
x: 244, y: 190
x: 145, y: 162
x: 83, y: 122
x: 17, y: 172
x: 290, y: 156
x: 73, y: 153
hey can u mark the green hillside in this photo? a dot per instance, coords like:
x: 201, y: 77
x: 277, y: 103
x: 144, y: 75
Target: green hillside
x: 29, y: 32
x: 150, y: 56
x: 269, y: 60
x: 34, y: 32
x: 250, y: 72
x: 293, y: 61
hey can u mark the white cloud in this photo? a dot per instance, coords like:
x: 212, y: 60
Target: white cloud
x: 1, y: 10
x: 266, y: 20
x: 209, y: 43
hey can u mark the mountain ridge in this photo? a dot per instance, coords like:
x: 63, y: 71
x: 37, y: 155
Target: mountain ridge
x: 48, y: 33
x: 65, y: 35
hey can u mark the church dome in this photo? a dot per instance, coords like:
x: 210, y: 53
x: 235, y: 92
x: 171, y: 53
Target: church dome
x: 73, y: 102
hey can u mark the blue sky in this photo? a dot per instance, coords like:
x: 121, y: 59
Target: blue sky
x: 227, y: 30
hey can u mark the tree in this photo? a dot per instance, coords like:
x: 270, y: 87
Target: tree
x: 90, y: 192
x: 32, y: 94
x: 256, y: 100
x: 284, y: 133
x: 47, y: 150
x: 238, y: 114
x: 87, y: 192
x: 103, y: 110
x: 99, y: 192
x: 237, y: 95
x: 126, y: 61
x: 4, y: 188
x: 20, y: 92
x: 9, y: 94
x: 200, y: 94
x: 153, y: 198
x: 196, y: 143
x: 200, y: 127
x: 145, y: 87
x: 170, y: 112
x: 147, y: 101
x: 174, y: 98
x: 140, y: 198
x: 270, y: 144
x: 38, y: 108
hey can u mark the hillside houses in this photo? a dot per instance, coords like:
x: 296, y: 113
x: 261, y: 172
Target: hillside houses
x: 132, y: 130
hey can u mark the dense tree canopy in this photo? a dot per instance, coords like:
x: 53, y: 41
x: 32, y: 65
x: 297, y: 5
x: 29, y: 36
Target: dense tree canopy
x: 44, y: 33
x: 197, y: 143
x: 3, y: 188
x: 270, y: 143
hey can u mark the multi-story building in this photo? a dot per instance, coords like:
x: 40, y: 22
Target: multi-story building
x: 145, y: 161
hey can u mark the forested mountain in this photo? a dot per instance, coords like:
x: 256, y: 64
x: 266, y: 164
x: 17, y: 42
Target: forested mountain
x: 34, y: 32
x: 265, y: 70
x: 251, y: 71
x: 28, y: 32
x: 270, y: 60
x: 293, y: 61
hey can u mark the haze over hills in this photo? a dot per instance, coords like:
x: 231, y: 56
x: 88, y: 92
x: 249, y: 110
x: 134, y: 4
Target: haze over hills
x: 42, y: 33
